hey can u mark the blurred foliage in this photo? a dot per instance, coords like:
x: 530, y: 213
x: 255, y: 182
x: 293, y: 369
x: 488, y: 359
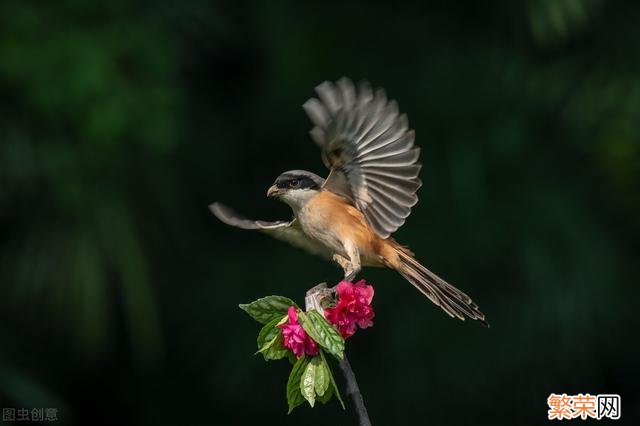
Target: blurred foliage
x: 119, y: 123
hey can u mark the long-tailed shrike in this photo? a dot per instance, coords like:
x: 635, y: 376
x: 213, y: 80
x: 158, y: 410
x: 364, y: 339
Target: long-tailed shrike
x: 371, y: 187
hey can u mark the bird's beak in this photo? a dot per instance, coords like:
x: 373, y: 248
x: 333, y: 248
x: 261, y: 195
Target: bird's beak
x: 272, y: 191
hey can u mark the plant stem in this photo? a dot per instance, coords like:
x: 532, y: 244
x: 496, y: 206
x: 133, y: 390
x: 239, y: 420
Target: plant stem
x: 354, y: 391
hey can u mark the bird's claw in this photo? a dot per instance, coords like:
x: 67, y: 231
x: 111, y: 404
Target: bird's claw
x: 350, y: 276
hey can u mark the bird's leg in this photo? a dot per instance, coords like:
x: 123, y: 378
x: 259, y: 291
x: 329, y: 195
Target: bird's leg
x: 354, y: 262
x: 344, y: 263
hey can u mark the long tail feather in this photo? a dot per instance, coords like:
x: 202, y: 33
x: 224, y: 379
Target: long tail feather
x: 453, y: 301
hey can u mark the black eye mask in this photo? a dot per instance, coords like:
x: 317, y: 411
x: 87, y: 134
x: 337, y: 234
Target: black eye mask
x: 298, y: 182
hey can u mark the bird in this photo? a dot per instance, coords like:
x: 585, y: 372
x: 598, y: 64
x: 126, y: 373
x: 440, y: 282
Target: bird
x: 350, y: 216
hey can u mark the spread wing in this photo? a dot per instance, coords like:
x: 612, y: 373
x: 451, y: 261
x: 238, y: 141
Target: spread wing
x: 288, y: 231
x: 367, y: 145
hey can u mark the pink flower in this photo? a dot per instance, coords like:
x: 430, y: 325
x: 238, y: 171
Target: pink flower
x: 295, y: 338
x: 353, y: 309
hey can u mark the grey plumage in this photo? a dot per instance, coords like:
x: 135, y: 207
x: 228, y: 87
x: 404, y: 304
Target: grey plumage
x: 369, y: 148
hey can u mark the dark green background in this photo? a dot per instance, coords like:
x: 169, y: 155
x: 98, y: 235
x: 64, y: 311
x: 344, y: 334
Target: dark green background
x: 120, y: 123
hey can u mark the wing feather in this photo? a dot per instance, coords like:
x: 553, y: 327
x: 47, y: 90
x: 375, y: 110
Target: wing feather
x: 369, y: 148
x: 287, y: 231
x: 403, y: 141
x: 402, y: 159
x: 408, y: 173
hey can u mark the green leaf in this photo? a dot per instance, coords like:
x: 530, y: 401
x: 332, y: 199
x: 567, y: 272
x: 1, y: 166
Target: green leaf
x: 308, y: 326
x: 333, y: 381
x: 308, y: 381
x: 326, y: 397
x: 268, y: 308
x: 275, y: 349
x: 269, y: 331
x: 320, y: 330
x: 294, y: 396
x: 322, y: 376
x: 270, y: 343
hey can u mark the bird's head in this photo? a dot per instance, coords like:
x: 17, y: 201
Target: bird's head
x: 295, y: 187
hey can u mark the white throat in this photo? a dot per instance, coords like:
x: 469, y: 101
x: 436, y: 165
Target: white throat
x: 298, y: 198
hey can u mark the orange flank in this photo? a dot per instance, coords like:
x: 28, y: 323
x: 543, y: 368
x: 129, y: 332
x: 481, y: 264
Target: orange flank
x: 331, y: 211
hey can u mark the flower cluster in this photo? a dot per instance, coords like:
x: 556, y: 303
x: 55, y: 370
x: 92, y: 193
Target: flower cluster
x: 353, y: 309
x: 307, y: 338
x: 295, y: 338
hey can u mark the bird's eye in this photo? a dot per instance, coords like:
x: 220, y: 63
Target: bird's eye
x: 294, y: 183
